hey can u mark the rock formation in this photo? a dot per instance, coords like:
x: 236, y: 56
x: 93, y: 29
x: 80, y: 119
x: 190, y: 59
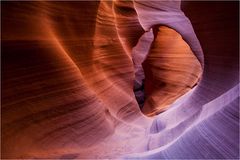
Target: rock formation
x: 117, y: 79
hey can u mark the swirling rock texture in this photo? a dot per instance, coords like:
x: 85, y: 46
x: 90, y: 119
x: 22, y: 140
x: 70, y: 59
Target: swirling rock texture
x: 120, y: 79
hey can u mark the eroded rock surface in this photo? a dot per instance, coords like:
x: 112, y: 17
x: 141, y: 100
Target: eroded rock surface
x: 89, y: 79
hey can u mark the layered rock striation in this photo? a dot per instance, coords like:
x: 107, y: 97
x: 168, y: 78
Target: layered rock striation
x: 116, y: 79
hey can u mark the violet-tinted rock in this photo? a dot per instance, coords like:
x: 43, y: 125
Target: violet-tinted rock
x: 68, y: 78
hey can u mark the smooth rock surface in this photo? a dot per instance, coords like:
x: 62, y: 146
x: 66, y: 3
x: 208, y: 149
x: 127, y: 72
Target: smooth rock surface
x: 115, y: 79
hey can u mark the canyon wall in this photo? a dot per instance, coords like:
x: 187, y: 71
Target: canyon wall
x: 115, y: 79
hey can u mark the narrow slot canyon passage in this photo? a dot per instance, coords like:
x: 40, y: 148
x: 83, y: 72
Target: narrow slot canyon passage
x: 119, y: 79
x: 167, y: 70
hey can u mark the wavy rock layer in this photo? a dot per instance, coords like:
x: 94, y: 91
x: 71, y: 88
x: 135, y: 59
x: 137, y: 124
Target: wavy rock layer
x: 73, y: 80
x: 171, y: 69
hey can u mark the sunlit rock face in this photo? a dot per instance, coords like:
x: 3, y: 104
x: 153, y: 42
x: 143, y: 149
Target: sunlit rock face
x: 171, y: 69
x: 116, y: 79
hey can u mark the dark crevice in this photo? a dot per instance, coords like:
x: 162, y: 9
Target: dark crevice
x: 139, y: 93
